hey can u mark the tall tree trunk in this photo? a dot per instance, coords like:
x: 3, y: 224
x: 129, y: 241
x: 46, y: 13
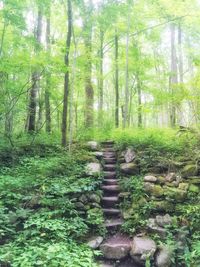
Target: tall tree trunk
x: 180, y: 68
x: 35, y: 79
x: 139, y: 101
x: 48, y: 79
x: 127, y: 71
x: 66, y: 83
x: 173, y: 76
x: 116, y: 80
x: 101, y: 77
x: 89, y: 92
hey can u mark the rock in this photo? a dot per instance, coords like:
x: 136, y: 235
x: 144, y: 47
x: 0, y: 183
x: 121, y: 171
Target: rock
x: 189, y: 170
x: 170, y: 177
x: 93, y: 169
x: 194, y: 188
x: 83, y: 199
x: 93, y: 145
x: 129, y: 155
x: 94, y: 198
x: 154, y: 190
x: 164, y: 257
x: 116, y: 247
x: 153, y: 227
x: 194, y: 180
x: 150, y: 178
x: 162, y: 221
x: 161, y: 180
x: 163, y: 205
x: 129, y: 168
x: 142, y: 248
x: 80, y: 205
x: 98, y: 154
x: 183, y: 186
x: 175, y: 193
x: 95, y: 242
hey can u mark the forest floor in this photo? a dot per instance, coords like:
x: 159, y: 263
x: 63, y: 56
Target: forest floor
x: 49, y: 207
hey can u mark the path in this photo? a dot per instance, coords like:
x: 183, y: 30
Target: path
x: 116, y: 244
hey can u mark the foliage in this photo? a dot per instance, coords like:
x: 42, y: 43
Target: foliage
x: 38, y: 208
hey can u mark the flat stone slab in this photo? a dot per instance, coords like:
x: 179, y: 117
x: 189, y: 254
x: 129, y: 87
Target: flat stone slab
x: 116, y: 247
x: 109, y: 223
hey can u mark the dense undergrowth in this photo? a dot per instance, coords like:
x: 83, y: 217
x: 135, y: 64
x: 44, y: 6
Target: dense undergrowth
x: 40, y: 223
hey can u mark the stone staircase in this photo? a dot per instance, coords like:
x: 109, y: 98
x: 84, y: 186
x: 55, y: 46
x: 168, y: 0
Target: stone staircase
x: 110, y: 187
x: 116, y: 244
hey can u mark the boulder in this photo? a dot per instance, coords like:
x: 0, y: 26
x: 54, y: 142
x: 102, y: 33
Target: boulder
x: 129, y: 168
x: 94, y: 198
x: 175, y: 194
x: 116, y: 247
x: 183, y: 186
x: 93, y: 169
x: 95, y: 241
x: 170, y: 177
x: 142, y: 248
x: 93, y: 145
x: 163, y: 205
x: 154, y: 228
x: 161, y: 180
x: 150, y: 178
x: 194, y: 180
x: 129, y: 155
x: 194, y: 188
x: 83, y: 199
x: 189, y: 170
x: 164, y: 257
x: 154, y: 190
x: 163, y: 221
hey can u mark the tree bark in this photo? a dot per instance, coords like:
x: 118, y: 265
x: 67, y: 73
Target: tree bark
x: 48, y: 79
x: 173, y: 76
x: 35, y: 78
x: 101, y: 77
x: 89, y: 92
x: 139, y: 93
x: 127, y: 72
x: 66, y: 82
x: 116, y: 80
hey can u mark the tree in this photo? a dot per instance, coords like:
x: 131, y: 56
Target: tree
x: 66, y: 82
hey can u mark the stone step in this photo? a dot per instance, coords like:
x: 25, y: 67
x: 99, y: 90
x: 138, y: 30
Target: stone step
x: 110, y: 202
x: 108, y: 149
x: 111, y: 211
x: 113, y: 223
x: 116, y: 247
x: 109, y: 155
x: 110, y: 160
x: 110, y: 181
x: 109, y: 142
x: 109, y: 167
x: 109, y: 175
x: 110, y: 188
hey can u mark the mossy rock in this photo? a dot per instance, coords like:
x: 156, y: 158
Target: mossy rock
x: 175, y: 194
x: 163, y: 205
x: 194, y: 180
x: 189, y: 170
x: 194, y: 188
x: 153, y: 190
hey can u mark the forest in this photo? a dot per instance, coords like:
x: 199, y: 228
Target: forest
x: 100, y: 133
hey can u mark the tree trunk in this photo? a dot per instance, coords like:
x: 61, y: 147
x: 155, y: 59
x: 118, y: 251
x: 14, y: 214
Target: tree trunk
x: 116, y: 80
x: 35, y: 78
x: 101, y: 77
x: 173, y: 76
x: 127, y: 72
x: 48, y: 79
x: 139, y: 102
x: 66, y: 83
x: 89, y: 92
